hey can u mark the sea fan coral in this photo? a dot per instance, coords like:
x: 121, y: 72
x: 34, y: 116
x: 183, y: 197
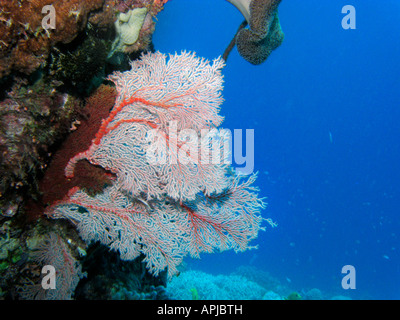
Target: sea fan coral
x: 163, y: 210
x: 54, y: 252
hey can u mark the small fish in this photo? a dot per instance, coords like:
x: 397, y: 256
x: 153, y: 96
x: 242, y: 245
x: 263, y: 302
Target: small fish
x: 144, y: 202
x: 330, y: 137
x: 386, y: 257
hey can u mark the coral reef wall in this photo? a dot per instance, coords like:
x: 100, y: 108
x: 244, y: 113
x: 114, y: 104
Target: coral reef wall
x: 31, y: 120
x: 51, y: 89
x: 89, y: 116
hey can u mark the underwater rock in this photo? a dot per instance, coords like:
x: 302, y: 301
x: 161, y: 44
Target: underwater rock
x: 110, y: 278
x: 271, y: 295
x: 32, y: 118
x: 22, y: 250
x: 313, y: 294
x: 81, y: 68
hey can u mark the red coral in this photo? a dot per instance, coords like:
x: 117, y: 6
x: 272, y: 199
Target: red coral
x: 54, y: 184
x: 158, y: 5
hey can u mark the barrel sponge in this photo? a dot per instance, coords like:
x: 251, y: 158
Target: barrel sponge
x: 264, y: 35
x: 255, y: 48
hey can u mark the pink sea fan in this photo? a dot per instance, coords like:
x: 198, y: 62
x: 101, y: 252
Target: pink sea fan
x: 164, y: 210
x: 157, y: 93
x: 183, y: 87
x: 166, y: 231
x: 53, y: 251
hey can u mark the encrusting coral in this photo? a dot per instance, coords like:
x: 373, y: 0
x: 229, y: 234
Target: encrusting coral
x: 265, y: 33
x: 25, y: 44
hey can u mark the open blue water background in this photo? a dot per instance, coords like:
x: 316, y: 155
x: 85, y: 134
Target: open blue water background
x: 325, y: 109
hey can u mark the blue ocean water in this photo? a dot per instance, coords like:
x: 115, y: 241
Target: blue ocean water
x: 325, y: 111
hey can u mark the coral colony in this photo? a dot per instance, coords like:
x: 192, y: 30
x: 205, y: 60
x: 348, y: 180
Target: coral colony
x: 163, y: 211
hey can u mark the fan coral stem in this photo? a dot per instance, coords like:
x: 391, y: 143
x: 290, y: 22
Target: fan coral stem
x: 104, y: 130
